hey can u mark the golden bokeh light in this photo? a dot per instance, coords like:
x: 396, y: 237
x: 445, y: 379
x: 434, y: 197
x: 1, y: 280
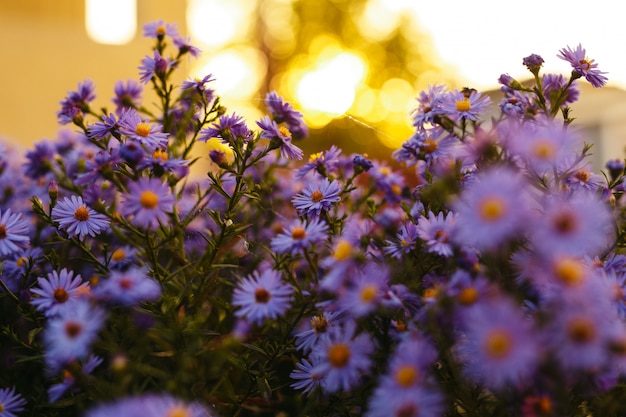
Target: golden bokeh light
x: 215, y: 23
x: 111, y: 22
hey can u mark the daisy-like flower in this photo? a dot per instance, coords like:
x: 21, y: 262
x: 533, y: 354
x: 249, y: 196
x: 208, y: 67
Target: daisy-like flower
x: 149, y: 134
x: 299, y: 236
x: 576, y: 224
x: 227, y: 128
x: 127, y: 95
x: 405, y: 241
x: 184, y: 45
x: 150, y: 405
x: 77, y: 219
x: 365, y: 291
x: 69, y: 335
x: 56, y: 391
x: 262, y: 296
x: 321, y: 162
x: 283, y: 112
x: 306, y: 376
x: 148, y: 202
x: 129, y: 287
x: 109, y: 126
x: 316, y: 328
x: 14, y: 232
x: 317, y: 197
x: 585, y: 179
x: 158, y: 29
x: 57, y: 291
x: 499, y: 345
x: 280, y: 137
x: 491, y: 209
x: 429, y: 106
x: 436, y: 230
x: 583, y: 66
x: 466, y: 104
x: 11, y: 402
x: 155, y: 66
x: 76, y: 103
x: 343, y: 358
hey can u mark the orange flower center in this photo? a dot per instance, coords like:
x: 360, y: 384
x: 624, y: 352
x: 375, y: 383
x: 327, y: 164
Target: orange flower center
x: 73, y: 329
x: 339, y: 355
x: 468, y: 296
x: 81, y: 214
x: 319, y: 323
x: 498, y: 344
x: 60, y: 295
x: 298, y: 233
x: 406, y: 376
x: 148, y: 200
x: 581, y: 330
x: 463, y: 105
x: 261, y: 295
x: 316, y: 196
x: 3, y: 231
x: 142, y: 129
x: 492, y: 208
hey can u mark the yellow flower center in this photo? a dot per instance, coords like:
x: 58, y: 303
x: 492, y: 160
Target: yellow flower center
x: 585, y: 64
x: 316, y: 196
x: 142, y: 129
x: 118, y: 255
x: 21, y: 261
x: 431, y: 292
x: 406, y: 376
x: 570, y: 271
x: 160, y: 30
x: 384, y: 171
x: 368, y: 293
x: 284, y: 131
x: 468, y: 296
x: 148, y: 200
x: 581, y: 330
x: 492, y: 208
x: 343, y: 249
x: 160, y: 154
x: 261, y: 295
x: 396, y: 189
x: 339, y: 355
x: 498, y: 344
x: 315, y: 156
x: 582, y: 175
x: 430, y: 145
x: 298, y: 233
x: 543, y: 149
x: 178, y: 411
x: 81, y: 214
x: 463, y: 105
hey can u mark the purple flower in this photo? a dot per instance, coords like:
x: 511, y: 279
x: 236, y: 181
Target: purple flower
x: 283, y: 112
x: 148, y: 202
x: 148, y: 134
x: 56, y: 391
x: 404, y: 243
x: 583, y: 66
x: 552, y: 85
x: 14, y: 232
x: 317, y: 198
x: 158, y: 29
x: 499, y: 345
x: 322, y: 163
x: 129, y: 287
x: 533, y: 62
x: 343, y: 358
x: 436, y: 230
x: 467, y: 104
x: 491, y: 210
x: 307, y: 376
x: 127, y: 95
x: 57, y: 291
x: 280, y: 137
x: 430, y: 105
x: 185, y: 46
x: 150, y: 405
x: 69, y: 335
x: 365, y: 291
x: 227, y: 128
x: 300, y: 236
x: 108, y: 126
x: 10, y: 402
x: 262, y: 296
x: 77, y: 219
x: 76, y: 103
x: 39, y: 160
x: 155, y: 66
x: 316, y: 329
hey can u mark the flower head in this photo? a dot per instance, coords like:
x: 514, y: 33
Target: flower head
x: 317, y: 198
x: 75, y: 217
x: 127, y: 95
x: 300, y: 236
x: 149, y: 134
x: 436, y: 230
x: 262, y: 296
x: 280, y: 137
x: 11, y: 402
x: 466, y: 104
x: 57, y: 291
x: 150, y: 405
x: 14, y: 232
x: 583, y: 66
x: 283, y: 112
x: 148, y: 202
x: 155, y: 66
x: 128, y: 287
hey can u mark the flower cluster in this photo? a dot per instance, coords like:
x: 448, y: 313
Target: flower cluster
x: 481, y: 272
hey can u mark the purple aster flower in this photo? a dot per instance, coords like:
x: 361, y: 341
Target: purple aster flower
x: 491, y: 210
x: 155, y: 66
x: 583, y: 66
x: 158, y: 29
x: 76, y: 103
x: 57, y: 291
x: 300, y: 236
x: 361, y: 162
x: 128, y: 287
x: 262, y: 296
x: 466, y: 104
x: 148, y: 202
x: 322, y: 162
x: 514, y: 104
x: 184, y: 45
x: 315, y: 329
x: 56, y: 391
x: 14, y: 232
x: 584, y: 179
x: 100, y: 130
x: 436, y: 230
x: 123, y: 257
x: 39, y: 161
x: 150, y: 405
x: 68, y: 336
x: 533, y: 62
x: 149, y: 134
x: 317, y: 197
x: 576, y: 224
x: 430, y: 106
x: 11, y: 402
x: 227, y: 128
x: 132, y: 153
x: 306, y: 375
x: 77, y: 219
x: 365, y: 291
x: 553, y: 84
x: 283, y: 112
x: 499, y: 345
x: 388, y: 181
x: 199, y: 85
x: 280, y: 137
x: 343, y: 358
x: 127, y: 95
x: 160, y: 162
x: 419, y: 402
x: 405, y: 241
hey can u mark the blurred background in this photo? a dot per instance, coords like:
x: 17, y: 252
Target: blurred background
x: 353, y: 67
